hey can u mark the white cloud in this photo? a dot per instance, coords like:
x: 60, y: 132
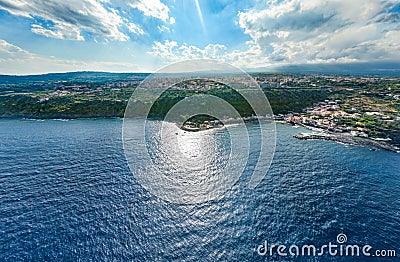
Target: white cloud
x: 72, y: 19
x: 60, y: 32
x: 171, y: 51
x: 135, y: 29
x: 163, y: 28
x: 152, y: 8
x: 215, y: 51
x: 166, y: 50
x: 69, y: 18
x: 323, y: 31
x: 299, y: 31
x: 15, y: 60
x: 9, y: 51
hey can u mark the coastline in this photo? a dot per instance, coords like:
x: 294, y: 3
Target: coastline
x: 348, y: 139
x: 316, y: 134
x: 217, y: 124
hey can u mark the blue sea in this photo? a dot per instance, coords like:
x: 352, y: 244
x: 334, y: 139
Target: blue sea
x: 67, y: 194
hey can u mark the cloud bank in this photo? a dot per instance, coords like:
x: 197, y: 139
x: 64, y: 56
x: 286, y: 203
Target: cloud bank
x: 72, y: 19
x: 252, y: 34
x: 329, y: 30
x: 313, y: 31
x: 16, y: 61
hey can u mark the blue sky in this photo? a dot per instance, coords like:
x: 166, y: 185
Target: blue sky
x: 40, y: 36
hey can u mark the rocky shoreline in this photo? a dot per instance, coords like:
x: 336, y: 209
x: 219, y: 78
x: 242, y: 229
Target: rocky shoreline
x: 345, y: 138
x: 348, y: 139
x: 206, y: 125
x: 191, y: 128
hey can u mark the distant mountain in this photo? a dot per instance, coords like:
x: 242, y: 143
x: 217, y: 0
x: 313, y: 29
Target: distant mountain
x: 73, y: 76
x: 377, y: 68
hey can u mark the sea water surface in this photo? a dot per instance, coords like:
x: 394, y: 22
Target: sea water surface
x: 67, y: 194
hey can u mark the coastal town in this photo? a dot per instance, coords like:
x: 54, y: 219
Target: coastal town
x: 365, y: 107
x: 329, y: 121
x: 329, y: 115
